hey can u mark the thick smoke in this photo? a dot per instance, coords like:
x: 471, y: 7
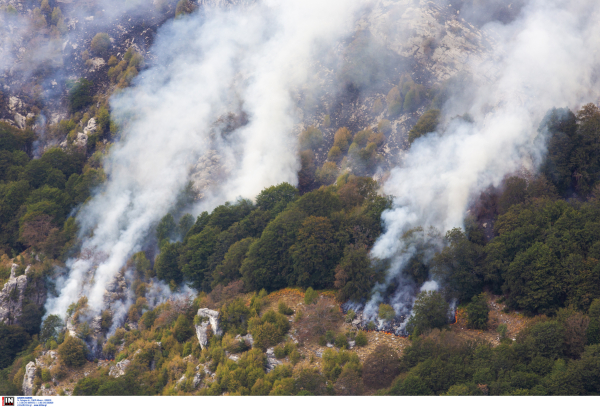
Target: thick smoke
x: 547, y: 56
x: 244, y: 60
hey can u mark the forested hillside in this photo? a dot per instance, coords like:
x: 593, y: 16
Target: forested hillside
x: 188, y: 207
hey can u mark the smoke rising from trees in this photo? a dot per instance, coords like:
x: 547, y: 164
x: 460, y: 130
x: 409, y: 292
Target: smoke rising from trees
x: 546, y: 57
x: 208, y: 65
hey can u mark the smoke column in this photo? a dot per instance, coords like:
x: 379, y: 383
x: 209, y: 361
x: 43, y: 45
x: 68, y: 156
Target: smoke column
x: 547, y: 57
x: 207, y: 64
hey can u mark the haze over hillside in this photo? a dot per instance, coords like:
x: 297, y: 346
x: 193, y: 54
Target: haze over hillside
x: 182, y: 155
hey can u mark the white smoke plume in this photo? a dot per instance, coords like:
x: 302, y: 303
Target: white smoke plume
x: 207, y: 64
x: 547, y: 57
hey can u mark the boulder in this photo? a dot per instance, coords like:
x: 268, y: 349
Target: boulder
x: 210, y: 317
x: 13, y: 293
x: 119, y: 369
x: 28, y: 379
x: 272, y: 361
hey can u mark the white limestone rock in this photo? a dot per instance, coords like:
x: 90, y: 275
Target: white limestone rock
x: 28, y: 379
x: 202, y: 329
x: 118, y: 370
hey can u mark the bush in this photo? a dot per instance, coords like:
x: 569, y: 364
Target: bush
x: 361, y: 339
x: 427, y: 123
x: 342, y: 139
x: 478, y: 312
x: 350, y: 315
x: 80, y: 94
x: 335, y: 154
x: 386, y: 312
x: 341, y: 341
x: 310, y: 296
x: 72, y: 352
x: 100, y: 43
x: 284, y: 309
x: 327, y: 174
x: 362, y: 137
x: 87, y: 386
x: 183, y: 329
x: 311, y: 138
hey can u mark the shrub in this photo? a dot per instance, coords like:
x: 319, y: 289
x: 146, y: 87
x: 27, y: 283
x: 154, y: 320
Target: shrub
x: 335, y: 154
x: 330, y: 336
x: 311, y: 138
x: 362, y: 137
x: 593, y: 330
x: 342, y: 138
x: 284, y: 309
x: 386, y: 312
x: 268, y: 330
x: 327, y: 174
x: 87, y: 386
x: 394, y: 109
x: 427, y: 123
x: 310, y: 296
x: 361, y: 339
x: 182, y: 329
x: 502, y: 330
x: 477, y: 312
x: 381, y: 367
x: 80, y: 94
x: 112, y: 61
x: 350, y: 315
x: 341, y: 341
x: 100, y: 44
x: 72, y: 352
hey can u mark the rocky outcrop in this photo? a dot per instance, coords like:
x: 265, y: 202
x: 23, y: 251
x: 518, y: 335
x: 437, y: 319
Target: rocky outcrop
x: 208, y: 318
x: 13, y: 295
x: 119, y: 368
x: 28, y: 379
x: 272, y: 361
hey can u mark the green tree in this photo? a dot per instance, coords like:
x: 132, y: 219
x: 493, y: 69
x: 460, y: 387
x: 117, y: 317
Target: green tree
x: 229, y: 269
x: 276, y: 198
x: 100, y: 44
x: 50, y: 328
x: 386, y: 312
x: 72, y: 352
x: 166, y: 228
x: 166, y: 264
x: 182, y: 330
x: 478, y: 312
x: 269, y: 264
x: 593, y: 330
x: 14, y: 339
x: 314, y: 254
x: 195, y: 257
x: 355, y: 276
x: 429, y: 311
x: 535, y: 280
